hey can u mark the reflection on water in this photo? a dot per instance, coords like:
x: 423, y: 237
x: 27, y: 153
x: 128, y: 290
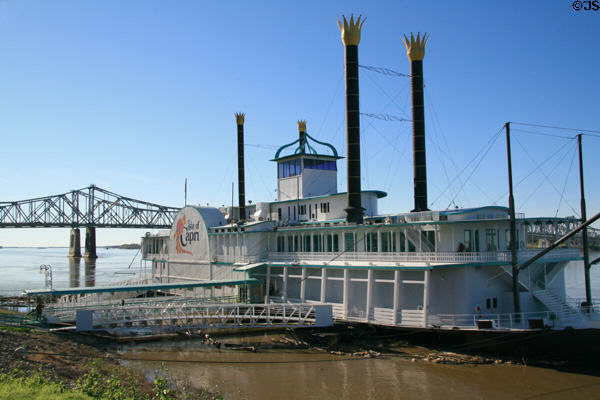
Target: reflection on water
x: 90, y: 271
x: 303, y: 374
x: 74, y: 267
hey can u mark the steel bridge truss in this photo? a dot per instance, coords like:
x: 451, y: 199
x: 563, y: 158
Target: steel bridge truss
x: 91, y: 206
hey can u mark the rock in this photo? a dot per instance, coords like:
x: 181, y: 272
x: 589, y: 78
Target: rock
x: 20, y: 350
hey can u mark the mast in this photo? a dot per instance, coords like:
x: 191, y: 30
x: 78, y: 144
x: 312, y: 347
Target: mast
x: 415, y: 49
x: 513, y: 228
x: 584, y: 237
x: 351, y: 38
x: 239, y: 118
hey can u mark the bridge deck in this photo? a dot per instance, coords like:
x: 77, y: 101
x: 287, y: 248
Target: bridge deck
x: 192, y: 316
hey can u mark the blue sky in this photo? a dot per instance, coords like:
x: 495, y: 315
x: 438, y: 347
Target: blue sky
x: 137, y: 96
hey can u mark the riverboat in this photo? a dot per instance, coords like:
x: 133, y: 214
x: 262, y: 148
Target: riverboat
x: 445, y: 269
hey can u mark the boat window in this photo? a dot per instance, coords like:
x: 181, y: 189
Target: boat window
x: 468, y: 240
x: 290, y: 240
x: 385, y: 242
x: 280, y: 244
x: 317, y: 243
x: 288, y: 168
x: 336, y: 244
x: 491, y: 239
x: 320, y: 164
x: 329, y: 243
x: 349, y: 241
x: 279, y: 214
x: 402, y: 242
x: 372, y: 242
x: 307, y: 243
x: 296, y: 248
x: 476, y: 241
x: 302, y: 209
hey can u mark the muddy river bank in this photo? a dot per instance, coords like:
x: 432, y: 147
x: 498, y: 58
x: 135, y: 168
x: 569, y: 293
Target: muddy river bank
x: 358, y: 364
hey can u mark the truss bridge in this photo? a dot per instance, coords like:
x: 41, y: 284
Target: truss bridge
x: 91, y: 207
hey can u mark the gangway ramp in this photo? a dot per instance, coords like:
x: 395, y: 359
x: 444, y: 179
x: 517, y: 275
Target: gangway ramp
x: 189, y: 317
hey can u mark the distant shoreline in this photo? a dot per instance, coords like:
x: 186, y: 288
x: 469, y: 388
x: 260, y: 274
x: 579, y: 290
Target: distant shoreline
x: 126, y: 246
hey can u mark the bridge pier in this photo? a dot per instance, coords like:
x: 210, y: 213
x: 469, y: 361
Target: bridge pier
x: 90, y: 242
x: 75, y: 243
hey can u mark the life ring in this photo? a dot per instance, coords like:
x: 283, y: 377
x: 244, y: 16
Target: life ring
x: 477, y: 308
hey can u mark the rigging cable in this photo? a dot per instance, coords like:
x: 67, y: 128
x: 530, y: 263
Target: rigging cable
x: 539, y: 167
x: 384, y: 71
x: 556, y: 127
x: 487, y: 145
x: 542, y: 182
x: 562, y: 195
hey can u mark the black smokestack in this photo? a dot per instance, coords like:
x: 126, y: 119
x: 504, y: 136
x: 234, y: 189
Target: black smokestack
x: 351, y: 38
x: 239, y: 118
x: 415, y: 49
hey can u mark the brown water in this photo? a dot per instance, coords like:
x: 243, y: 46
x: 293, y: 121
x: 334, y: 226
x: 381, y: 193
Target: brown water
x: 306, y: 374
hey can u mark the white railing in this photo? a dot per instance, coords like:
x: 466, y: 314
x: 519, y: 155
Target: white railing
x: 242, y: 259
x: 437, y: 257
x: 505, y: 321
x: 176, y: 317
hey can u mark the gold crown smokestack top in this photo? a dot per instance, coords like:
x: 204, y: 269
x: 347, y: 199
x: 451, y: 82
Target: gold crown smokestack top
x: 351, y: 38
x: 415, y: 49
x: 239, y: 119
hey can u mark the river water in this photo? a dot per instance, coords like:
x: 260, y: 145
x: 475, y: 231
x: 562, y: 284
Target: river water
x: 305, y: 374
x: 20, y: 268
x: 301, y: 374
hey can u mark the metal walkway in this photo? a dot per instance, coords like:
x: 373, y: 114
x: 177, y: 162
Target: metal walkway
x: 187, y: 316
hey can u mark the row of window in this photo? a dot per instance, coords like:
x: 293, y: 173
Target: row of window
x: 294, y: 167
x: 154, y: 246
x: 291, y: 210
x: 492, y: 239
x: 370, y: 242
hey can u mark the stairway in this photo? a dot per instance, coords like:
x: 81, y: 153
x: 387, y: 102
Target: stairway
x: 554, y: 302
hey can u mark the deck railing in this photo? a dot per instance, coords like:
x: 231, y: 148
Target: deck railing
x: 549, y: 319
x: 436, y: 257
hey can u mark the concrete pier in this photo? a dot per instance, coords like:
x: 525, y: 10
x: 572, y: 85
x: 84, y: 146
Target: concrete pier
x: 75, y: 243
x: 90, y: 243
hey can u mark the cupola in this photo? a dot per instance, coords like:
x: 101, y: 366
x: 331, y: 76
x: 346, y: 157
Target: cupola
x: 305, y: 172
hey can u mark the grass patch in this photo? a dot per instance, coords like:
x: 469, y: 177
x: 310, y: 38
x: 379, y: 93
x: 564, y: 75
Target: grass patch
x: 96, y: 384
x: 15, y: 328
x: 17, y: 386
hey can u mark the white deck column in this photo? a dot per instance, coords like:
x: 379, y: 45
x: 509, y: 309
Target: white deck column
x: 345, y: 295
x: 425, y: 297
x: 396, y: 295
x: 369, y: 294
x: 285, y: 284
x: 303, y: 285
x: 323, y: 284
x: 267, y: 284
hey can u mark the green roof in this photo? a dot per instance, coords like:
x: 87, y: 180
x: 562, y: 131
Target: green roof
x: 304, y: 148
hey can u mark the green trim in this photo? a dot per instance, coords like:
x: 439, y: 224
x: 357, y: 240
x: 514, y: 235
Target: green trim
x: 153, y: 259
x: 470, y: 210
x: 137, y: 288
x: 379, y: 193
